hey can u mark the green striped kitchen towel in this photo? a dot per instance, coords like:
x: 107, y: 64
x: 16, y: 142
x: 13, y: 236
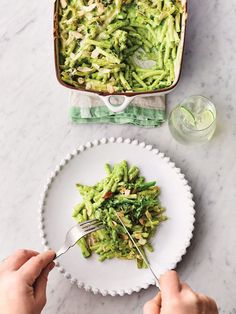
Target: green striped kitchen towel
x: 143, y: 111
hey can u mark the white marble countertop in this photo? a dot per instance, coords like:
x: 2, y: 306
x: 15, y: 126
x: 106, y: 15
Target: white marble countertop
x: 36, y: 134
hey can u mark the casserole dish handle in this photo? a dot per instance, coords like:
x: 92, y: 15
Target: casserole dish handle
x: 116, y: 108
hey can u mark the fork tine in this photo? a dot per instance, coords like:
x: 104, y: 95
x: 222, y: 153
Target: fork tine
x: 92, y: 225
x: 87, y: 222
x: 94, y: 229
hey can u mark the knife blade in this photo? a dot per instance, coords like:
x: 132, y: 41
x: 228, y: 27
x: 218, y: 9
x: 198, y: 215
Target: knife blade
x: 139, y: 251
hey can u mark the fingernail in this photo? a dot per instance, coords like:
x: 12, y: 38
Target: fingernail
x: 52, y: 253
x: 51, y: 266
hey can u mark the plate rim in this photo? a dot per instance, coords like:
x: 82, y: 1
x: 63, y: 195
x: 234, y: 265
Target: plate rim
x: 61, y: 165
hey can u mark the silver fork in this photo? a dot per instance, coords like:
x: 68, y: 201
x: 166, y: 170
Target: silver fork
x: 77, y: 232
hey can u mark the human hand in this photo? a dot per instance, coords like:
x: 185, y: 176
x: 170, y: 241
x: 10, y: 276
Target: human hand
x: 178, y: 298
x: 23, y: 281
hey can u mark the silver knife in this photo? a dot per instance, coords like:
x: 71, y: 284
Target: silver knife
x: 139, y: 251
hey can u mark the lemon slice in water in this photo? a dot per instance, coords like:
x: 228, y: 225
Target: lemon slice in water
x: 204, y: 119
x: 188, y: 116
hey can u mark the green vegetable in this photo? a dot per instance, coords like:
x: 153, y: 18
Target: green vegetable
x: 125, y: 193
x: 103, y: 42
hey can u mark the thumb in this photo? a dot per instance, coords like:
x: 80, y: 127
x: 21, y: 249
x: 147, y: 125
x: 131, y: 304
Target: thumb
x: 33, y: 268
x: 153, y: 306
x: 41, y: 285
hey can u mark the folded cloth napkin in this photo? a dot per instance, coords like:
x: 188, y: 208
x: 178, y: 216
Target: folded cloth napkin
x: 144, y: 111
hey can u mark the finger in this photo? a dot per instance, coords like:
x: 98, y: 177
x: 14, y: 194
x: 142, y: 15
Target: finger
x: 41, y: 285
x: 33, y: 267
x: 170, y: 284
x: 157, y: 299
x: 17, y: 259
x: 208, y: 303
x: 153, y: 306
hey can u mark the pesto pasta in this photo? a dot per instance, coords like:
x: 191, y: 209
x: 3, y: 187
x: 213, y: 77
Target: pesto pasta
x: 123, y: 192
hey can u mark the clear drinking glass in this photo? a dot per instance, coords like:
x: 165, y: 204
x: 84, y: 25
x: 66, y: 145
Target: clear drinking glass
x: 193, y: 121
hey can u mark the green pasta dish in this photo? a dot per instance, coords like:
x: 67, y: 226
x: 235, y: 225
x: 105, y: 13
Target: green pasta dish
x: 123, y: 192
x: 119, y: 45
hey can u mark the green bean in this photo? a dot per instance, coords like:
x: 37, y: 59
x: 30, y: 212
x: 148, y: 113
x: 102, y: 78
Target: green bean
x: 146, y: 185
x: 77, y: 209
x: 133, y: 173
x: 151, y: 74
x: 108, y: 169
x: 139, y: 80
x: 124, y: 82
x: 177, y: 22
x: 125, y: 169
x: 84, y: 247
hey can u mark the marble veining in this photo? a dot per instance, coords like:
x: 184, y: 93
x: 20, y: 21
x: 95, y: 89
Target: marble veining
x: 36, y: 135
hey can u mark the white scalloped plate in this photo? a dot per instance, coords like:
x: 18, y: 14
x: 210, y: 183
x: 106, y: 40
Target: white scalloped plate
x: 86, y: 165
